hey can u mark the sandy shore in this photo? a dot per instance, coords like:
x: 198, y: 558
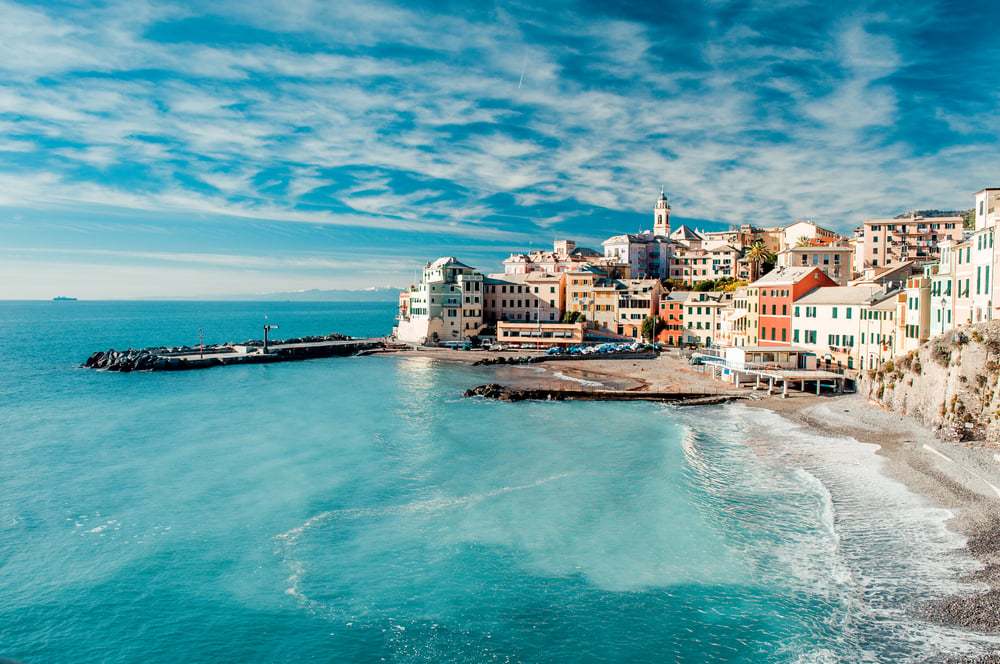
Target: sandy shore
x: 963, y: 477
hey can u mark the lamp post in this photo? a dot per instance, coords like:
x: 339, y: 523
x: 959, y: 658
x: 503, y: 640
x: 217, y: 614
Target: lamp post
x: 266, y: 329
x: 944, y: 303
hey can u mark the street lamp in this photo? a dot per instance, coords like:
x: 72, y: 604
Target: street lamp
x: 266, y: 329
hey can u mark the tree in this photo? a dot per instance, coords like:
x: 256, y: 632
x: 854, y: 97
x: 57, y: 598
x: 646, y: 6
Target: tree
x: 803, y: 241
x: 758, y: 256
x: 969, y: 219
x: 705, y: 286
x: 572, y: 316
x: 648, y: 331
x: 673, y: 284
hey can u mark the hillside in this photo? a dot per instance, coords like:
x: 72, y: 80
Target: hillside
x: 951, y: 384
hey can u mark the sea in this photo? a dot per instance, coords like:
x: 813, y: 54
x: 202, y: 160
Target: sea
x: 362, y: 510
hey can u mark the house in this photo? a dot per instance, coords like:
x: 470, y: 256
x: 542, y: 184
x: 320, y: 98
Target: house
x: 447, y: 305
x: 827, y: 322
x: 879, y: 330
x: 672, y: 314
x: 831, y: 256
x: 703, y: 317
x: 912, y: 236
x: 771, y: 298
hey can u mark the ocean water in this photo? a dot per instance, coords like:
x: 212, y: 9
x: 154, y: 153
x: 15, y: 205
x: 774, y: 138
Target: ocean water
x: 362, y: 510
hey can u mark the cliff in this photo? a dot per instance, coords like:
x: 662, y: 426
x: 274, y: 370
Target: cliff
x: 951, y: 384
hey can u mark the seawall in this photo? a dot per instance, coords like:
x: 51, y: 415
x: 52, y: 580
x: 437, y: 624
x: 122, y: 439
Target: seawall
x: 951, y: 384
x: 251, y: 352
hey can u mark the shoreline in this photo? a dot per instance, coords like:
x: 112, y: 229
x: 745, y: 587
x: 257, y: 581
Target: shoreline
x: 961, y: 477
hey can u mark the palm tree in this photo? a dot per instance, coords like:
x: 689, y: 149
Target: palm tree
x: 756, y: 255
x: 803, y: 242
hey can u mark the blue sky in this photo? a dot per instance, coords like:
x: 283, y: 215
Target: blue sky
x: 195, y: 148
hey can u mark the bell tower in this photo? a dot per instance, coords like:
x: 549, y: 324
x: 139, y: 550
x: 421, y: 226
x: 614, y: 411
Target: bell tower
x: 661, y: 216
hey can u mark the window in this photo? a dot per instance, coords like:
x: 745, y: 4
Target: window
x: 795, y: 336
x: 834, y: 314
x: 848, y: 313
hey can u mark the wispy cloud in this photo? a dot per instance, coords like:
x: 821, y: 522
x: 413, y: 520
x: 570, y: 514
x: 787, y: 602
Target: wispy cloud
x: 484, y: 125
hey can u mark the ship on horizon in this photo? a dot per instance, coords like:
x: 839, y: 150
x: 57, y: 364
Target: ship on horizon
x: 63, y: 298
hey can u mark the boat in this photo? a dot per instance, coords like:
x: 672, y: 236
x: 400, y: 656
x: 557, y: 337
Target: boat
x: 62, y: 298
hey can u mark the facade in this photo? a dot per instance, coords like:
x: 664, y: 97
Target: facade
x: 771, y: 298
x: 522, y: 297
x: 447, y: 305
x: 695, y: 265
x: 916, y: 314
x: 544, y: 334
x: 734, y: 320
x: 565, y: 256
x: 648, y: 255
x: 637, y: 300
x: 879, y: 329
x: 832, y: 256
x: 911, y: 237
x: 827, y: 322
x: 672, y: 315
x: 792, y: 234
x: 703, y: 317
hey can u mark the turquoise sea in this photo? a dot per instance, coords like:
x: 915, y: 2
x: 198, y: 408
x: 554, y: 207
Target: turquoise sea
x: 362, y: 510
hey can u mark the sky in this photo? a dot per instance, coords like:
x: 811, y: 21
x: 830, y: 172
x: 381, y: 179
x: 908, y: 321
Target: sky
x: 202, y: 149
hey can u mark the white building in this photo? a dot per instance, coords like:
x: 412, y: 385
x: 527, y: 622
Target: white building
x: 447, y: 305
x: 879, y: 330
x: 827, y: 321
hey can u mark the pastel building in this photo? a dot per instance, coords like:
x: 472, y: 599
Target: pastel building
x: 703, y: 317
x: 771, y: 299
x: 916, y: 314
x: 879, y: 328
x: 827, y: 322
x: 909, y: 237
x: 535, y: 296
x: 833, y: 257
x: 703, y: 263
x: 672, y: 314
x: 447, y: 305
x: 648, y: 255
x: 637, y: 300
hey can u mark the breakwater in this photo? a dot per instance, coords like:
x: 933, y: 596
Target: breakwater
x: 507, y: 393
x: 534, y: 359
x: 250, y: 352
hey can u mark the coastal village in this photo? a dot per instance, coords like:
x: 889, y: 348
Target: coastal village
x: 798, y: 297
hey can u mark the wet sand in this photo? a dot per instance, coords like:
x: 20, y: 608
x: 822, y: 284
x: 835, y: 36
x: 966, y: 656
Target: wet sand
x: 962, y: 477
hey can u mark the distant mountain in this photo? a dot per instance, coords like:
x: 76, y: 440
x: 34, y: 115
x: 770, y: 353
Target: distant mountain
x: 928, y: 214
x: 377, y: 294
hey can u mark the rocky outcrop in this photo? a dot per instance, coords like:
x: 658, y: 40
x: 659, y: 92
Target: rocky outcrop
x: 951, y: 384
x: 508, y: 393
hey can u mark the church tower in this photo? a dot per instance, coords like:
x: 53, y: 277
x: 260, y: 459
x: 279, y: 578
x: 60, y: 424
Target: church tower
x: 661, y: 224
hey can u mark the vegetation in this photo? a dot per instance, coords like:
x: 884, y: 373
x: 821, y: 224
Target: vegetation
x: 571, y: 317
x: 969, y: 219
x: 761, y: 260
x: 647, y: 327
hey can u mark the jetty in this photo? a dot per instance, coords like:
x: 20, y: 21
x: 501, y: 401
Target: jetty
x: 508, y: 393
x: 251, y: 352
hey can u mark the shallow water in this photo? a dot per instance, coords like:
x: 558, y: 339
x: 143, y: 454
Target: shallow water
x: 355, y: 509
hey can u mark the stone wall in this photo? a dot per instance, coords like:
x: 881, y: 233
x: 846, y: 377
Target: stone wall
x: 951, y: 384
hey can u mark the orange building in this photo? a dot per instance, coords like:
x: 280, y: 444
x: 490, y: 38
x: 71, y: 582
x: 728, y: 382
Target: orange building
x: 771, y: 298
x: 672, y: 315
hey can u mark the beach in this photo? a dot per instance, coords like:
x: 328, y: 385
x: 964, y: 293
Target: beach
x: 963, y: 477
